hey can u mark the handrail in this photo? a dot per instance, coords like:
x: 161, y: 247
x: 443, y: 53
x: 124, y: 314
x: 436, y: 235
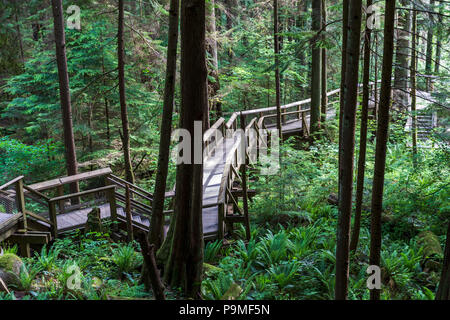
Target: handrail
x: 13, y: 181
x: 209, y: 133
x: 294, y: 104
x: 37, y: 193
x: 80, y: 194
x: 132, y: 186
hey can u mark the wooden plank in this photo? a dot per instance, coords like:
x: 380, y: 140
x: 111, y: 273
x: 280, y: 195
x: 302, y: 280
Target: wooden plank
x: 50, y: 184
x: 86, y: 175
x: 30, y: 238
x: 6, y: 185
x: 83, y: 193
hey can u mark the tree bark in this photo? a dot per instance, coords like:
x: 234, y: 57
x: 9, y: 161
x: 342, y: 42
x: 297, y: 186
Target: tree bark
x: 382, y: 136
x: 324, y: 100
x: 439, y: 35
x: 214, y: 86
x: 122, y: 97
x: 148, y: 252
x: 157, y: 221
x: 443, y: 292
x: 429, y: 52
x: 184, y: 267
x: 347, y: 149
x: 363, y: 137
x: 413, y: 87
x: 315, y: 68
x: 345, y: 7
x: 277, y: 70
x: 64, y: 93
x: 401, y: 72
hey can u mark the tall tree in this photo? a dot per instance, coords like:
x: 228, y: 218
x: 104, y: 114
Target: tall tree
x: 429, y: 52
x: 64, y: 92
x: 277, y: 67
x: 214, y: 82
x: 324, y: 100
x: 363, y: 136
x: 345, y: 7
x: 382, y: 135
x: 439, y: 35
x: 414, y: 86
x: 184, y: 266
x: 348, y: 149
x: 122, y: 97
x: 157, y: 220
x: 402, y: 57
x: 316, y: 66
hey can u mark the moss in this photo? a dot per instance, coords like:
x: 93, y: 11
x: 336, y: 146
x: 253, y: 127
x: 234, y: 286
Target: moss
x: 430, y: 243
x: 10, y: 262
x: 210, y: 269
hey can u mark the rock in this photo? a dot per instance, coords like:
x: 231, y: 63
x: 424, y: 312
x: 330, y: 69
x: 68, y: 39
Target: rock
x: 94, y: 221
x: 232, y: 293
x: 210, y: 270
x: 432, y: 251
x: 333, y: 199
x: 286, y: 218
x: 10, y: 268
x: 430, y: 243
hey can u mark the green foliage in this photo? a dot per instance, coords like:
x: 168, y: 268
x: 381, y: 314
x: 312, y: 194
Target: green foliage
x: 212, y: 251
x: 48, y: 258
x: 126, y: 258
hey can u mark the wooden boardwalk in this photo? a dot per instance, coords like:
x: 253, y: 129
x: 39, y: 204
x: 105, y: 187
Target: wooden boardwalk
x: 221, y: 205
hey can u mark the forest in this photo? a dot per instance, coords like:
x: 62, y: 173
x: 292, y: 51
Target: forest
x: 224, y: 150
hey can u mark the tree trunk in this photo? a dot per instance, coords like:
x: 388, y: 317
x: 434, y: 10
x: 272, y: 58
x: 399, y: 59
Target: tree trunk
x: 277, y: 70
x: 64, y: 93
x: 345, y: 7
x: 157, y: 221
x: 413, y: 87
x: 402, y: 63
x: 440, y: 34
x: 19, y: 35
x: 324, y: 102
x: 184, y: 267
x: 363, y: 137
x: 122, y: 97
x: 148, y: 253
x: 429, y: 53
x: 375, y: 109
x: 214, y: 86
x: 347, y: 150
x: 382, y: 136
x: 443, y: 292
x: 315, y: 68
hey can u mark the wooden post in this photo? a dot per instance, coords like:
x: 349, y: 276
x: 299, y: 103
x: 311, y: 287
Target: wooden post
x: 53, y: 220
x: 24, y: 246
x: 60, y: 190
x: 244, y: 195
x: 21, y: 202
x: 220, y: 232
x: 112, y: 206
x: 304, y: 126
x: 128, y: 213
